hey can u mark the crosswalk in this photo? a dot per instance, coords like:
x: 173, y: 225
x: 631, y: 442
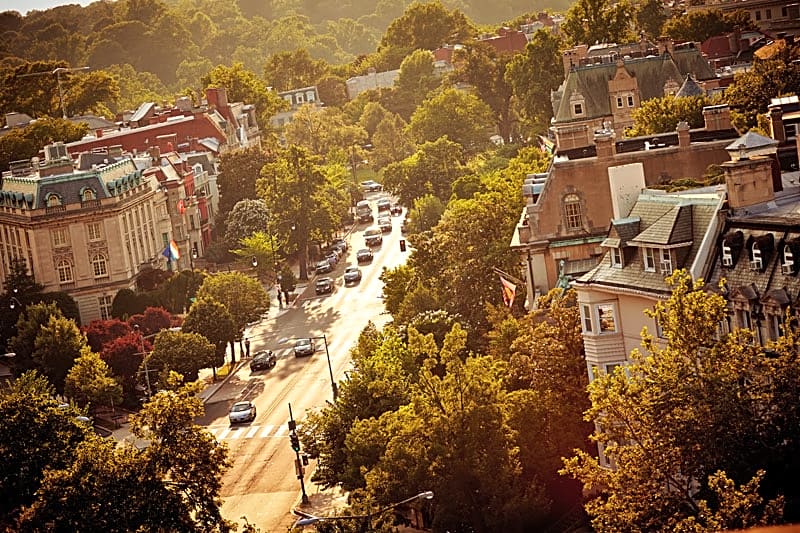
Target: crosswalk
x: 248, y: 431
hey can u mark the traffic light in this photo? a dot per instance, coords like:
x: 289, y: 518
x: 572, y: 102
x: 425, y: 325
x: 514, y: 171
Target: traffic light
x: 304, y: 457
x: 295, y: 440
x: 402, y: 245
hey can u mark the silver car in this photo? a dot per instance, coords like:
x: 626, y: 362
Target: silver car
x: 304, y: 347
x: 242, y: 412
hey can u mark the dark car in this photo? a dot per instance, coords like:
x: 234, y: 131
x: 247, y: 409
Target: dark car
x: 364, y: 255
x: 323, y: 267
x: 352, y: 274
x: 371, y: 186
x: 384, y: 205
x: 373, y: 237
x: 385, y: 224
x: 323, y: 285
x: 304, y: 347
x: 339, y: 243
x: 396, y: 209
x: 263, y: 360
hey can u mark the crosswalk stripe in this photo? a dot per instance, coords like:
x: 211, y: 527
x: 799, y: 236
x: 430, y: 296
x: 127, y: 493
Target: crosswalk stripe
x: 281, y: 430
x: 223, y: 433
x: 235, y: 434
x: 252, y: 431
x: 267, y: 431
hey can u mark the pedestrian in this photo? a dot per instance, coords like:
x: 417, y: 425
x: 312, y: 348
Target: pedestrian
x: 247, y: 347
x: 286, y: 297
x: 280, y: 302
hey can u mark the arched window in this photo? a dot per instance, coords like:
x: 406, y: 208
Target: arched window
x: 53, y: 200
x: 573, y: 216
x: 64, y: 269
x: 88, y: 194
x: 99, y: 266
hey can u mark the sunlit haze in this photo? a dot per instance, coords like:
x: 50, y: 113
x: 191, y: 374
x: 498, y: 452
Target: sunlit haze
x: 23, y: 6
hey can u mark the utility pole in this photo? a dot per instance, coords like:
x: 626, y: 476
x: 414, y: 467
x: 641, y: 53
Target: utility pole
x: 298, y: 463
x: 57, y: 72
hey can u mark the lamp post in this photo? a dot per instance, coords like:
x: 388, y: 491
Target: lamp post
x: 334, y: 387
x: 192, y: 257
x: 365, y: 519
x: 144, y: 360
x: 58, y: 72
x: 14, y: 303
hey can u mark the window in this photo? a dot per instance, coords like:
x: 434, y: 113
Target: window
x: 572, y: 212
x: 298, y: 98
x: 104, y: 302
x: 743, y: 318
x: 88, y: 194
x: 630, y: 101
x: 605, y: 317
x: 619, y: 101
x: 59, y: 236
x: 768, y: 14
x: 586, y: 318
x: 788, y: 261
x: 64, y: 269
x: 756, y: 262
x: 784, y: 11
x: 649, y: 257
x: 99, y: 266
x: 758, y: 15
x: 310, y: 96
x: 53, y: 200
x: 659, y: 329
x: 610, y: 367
x: 94, y: 231
x: 616, y: 257
x: 577, y: 109
x: 775, y: 326
x: 666, y: 262
x: 727, y: 256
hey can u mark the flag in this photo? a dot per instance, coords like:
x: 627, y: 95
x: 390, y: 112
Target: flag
x: 509, y: 291
x: 171, y: 252
x: 547, y: 145
x: 181, y: 207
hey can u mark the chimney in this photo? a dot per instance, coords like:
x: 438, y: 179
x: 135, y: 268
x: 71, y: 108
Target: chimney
x: 776, y: 129
x: 155, y: 155
x: 217, y: 97
x: 749, y: 182
x: 717, y: 117
x: 604, y: 143
x: 98, y: 133
x: 665, y: 45
x: 683, y: 135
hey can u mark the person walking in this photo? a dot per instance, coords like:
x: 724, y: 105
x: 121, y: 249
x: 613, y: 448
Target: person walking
x: 247, y: 347
x: 280, y: 301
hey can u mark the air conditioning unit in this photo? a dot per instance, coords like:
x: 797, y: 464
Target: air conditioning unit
x: 727, y: 260
x: 755, y: 264
x: 666, y: 267
x: 787, y: 269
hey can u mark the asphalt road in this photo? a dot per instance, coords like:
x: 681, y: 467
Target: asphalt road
x: 261, y: 483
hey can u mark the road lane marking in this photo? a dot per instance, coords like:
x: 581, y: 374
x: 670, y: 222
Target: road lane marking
x: 252, y: 431
x: 224, y: 433
x: 267, y: 431
x: 235, y: 434
x: 281, y: 430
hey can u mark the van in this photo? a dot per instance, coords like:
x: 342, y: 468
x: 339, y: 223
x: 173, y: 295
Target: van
x: 373, y: 237
x: 364, y: 211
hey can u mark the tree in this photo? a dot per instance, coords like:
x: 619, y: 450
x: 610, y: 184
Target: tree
x: 212, y: 320
x: 485, y: 69
x: 662, y: 115
x: 293, y: 70
x: 26, y: 142
x: 322, y: 130
x: 427, y: 26
x: 30, y: 323
x: 24, y: 289
x: 414, y: 81
x: 752, y: 90
x: 243, y: 297
x: 372, y: 115
x: 177, y: 293
x: 425, y: 214
x: 650, y: 17
x: 461, y: 117
x: 430, y: 171
x: 127, y: 303
x: 101, y: 332
x: 246, y: 217
x: 184, y: 353
x: 243, y: 85
x: 36, y: 434
x: 89, y: 381
x: 92, y: 92
x: 674, y: 420
x: 238, y: 172
x: 701, y: 24
x: 153, y: 320
x: 597, y: 21
x: 56, y: 347
x: 124, y: 356
x: 532, y: 76
x: 391, y: 141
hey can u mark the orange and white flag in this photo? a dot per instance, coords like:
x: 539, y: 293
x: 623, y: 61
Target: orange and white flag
x: 509, y: 291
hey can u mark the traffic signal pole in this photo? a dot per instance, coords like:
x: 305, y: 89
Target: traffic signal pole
x: 298, y: 464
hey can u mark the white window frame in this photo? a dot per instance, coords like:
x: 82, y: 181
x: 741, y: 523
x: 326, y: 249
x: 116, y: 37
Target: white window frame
x: 616, y: 257
x: 88, y: 195
x: 666, y: 261
x: 59, y: 237
x: 601, y: 312
x: 649, y: 259
x: 577, y: 109
x: 586, y: 318
x: 727, y: 256
x: 299, y: 98
x: 94, y: 231
x: 64, y: 271
x: 104, y: 303
x: 53, y: 200
x: 757, y: 262
x: 99, y: 265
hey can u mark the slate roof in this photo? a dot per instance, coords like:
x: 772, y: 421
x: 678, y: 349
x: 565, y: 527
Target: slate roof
x: 689, y: 88
x: 751, y: 141
x: 664, y: 219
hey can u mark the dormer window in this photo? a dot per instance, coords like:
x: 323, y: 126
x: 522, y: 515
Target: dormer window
x: 788, y: 261
x: 87, y: 195
x: 616, y: 258
x: 299, y: 98
x: 53, y: 200
x: 630, y: 101
x: 619, y: 101
x: 756, y: 262
x: 577, y: 109
x: 577, y: 104
x: 666, y: 262
x: 649, y: 258
x: 727, y: 256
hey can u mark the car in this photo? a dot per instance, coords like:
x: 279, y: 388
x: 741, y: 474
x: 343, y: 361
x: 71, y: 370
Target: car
x: 332, y: 257
x: 384, y: 204
x: 304, y: 347
x: 371, y: 186
x: 323, y: 267
x: 323, y: 285
x: 263, y: 359
x: 403, y: 227
x: 364, y: 255
x: 373, y: 237
x: 352, y: 274
x: 385, y: 224
x: 339, y: 243
x: 396, y: 210
x: 242, y: 412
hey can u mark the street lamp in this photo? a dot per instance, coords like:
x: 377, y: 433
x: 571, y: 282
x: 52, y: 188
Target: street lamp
x: 58, y: 71
x: 144, y: 360
x: 14, y: 303
x: 366, y: 519
x: 193, y: 256
x: 324, y: 339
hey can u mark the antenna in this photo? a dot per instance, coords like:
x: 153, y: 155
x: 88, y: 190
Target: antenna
x: 57, y: 72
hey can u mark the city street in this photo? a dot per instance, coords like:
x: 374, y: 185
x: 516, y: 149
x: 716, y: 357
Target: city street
x: 262, y: 484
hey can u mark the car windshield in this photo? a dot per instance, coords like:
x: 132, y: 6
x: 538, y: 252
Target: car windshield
x: 372, y: 232
x: 302, y: 343
x: 238, y: 407
x: 351, y: 269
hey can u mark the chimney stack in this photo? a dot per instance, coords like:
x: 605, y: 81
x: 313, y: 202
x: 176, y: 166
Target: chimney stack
x: 749, y: 181
x: 684, y: 139
x: 776, y: 129
x: 717, y: 117
x: 604, y: 143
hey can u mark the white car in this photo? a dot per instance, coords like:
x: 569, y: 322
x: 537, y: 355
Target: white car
x: 242, y: 412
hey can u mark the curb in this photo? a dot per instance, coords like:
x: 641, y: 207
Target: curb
x: 222, y: 383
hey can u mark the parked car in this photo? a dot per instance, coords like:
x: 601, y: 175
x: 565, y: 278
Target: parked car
x: 323, y: 285
x: 396, y: 209
x: 364, y: 255
x: 323, y: 267
x: 384, y: 204
x: 352, y: 274
x: 333, y: 257
x: 373, y: 237
x: 263, y: 359
x: 371, y: 186
x: 339, y: 243
x: 385, y: 224
x: 304, y: 347
x: 242, y: 412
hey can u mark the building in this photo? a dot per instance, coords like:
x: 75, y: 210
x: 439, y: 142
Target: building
x: 295, y: 98
x: 568, y: 208
x: 770, y: 16
x: 371, y: 80
x: 87, y: 232
x: 601, y: 90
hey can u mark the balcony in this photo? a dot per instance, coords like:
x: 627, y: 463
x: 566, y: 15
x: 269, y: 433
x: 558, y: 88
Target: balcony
x: 90, y: 204
x: 49, y: 210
